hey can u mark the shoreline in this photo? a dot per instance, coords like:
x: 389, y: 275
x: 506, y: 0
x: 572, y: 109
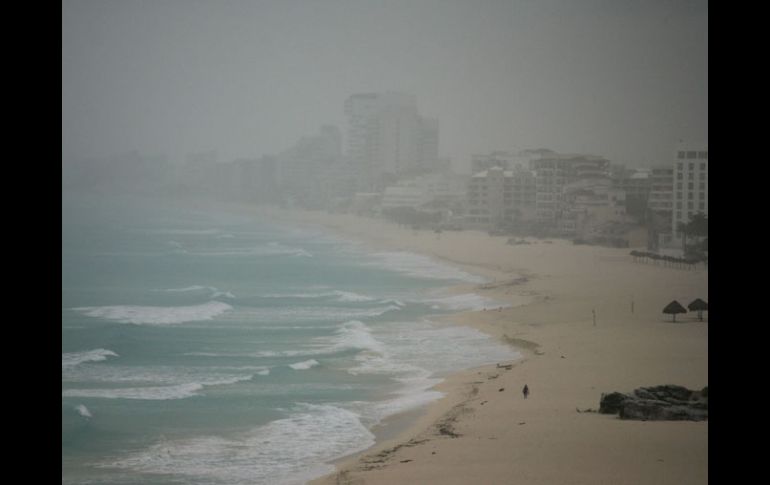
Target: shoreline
x: 592, y: 325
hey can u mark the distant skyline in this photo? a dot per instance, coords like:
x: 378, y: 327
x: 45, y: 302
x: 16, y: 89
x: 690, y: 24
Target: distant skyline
x: 622, y: 79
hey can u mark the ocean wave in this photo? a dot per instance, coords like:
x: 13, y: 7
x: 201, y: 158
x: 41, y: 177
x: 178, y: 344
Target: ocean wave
x: 270, y: 249
x: 184, y: 232
x: 97, y: 355
x: 291, y: 450
x: 465, y: 302
x: 382, y: 364
x: 349, y: 296
x: 210, y: 291
x: 308, y: 364
x: 355, y: 335
x: 155, y: 315
x: 141, y: 376
x: 307, y: 314
x: 338, y: 295
x: 420, y: 266
x: 153, y: 393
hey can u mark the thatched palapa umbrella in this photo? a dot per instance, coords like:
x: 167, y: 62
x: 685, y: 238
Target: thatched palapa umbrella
x: 698, y: 305
x: 673, y: 308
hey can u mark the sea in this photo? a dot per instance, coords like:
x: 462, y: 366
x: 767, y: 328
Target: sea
x: 204, y: 346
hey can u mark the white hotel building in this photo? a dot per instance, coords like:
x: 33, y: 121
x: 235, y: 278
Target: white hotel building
x: 691, y: 172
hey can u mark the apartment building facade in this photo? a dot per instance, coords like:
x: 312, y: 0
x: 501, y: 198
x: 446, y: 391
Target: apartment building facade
x: 690, y: 184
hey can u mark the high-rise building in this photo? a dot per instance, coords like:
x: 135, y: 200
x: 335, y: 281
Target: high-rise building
x: 690, y: 169
x: 387, y: 138
x: 555, y: 172
x: 310, y: 169
x: 498, y: 197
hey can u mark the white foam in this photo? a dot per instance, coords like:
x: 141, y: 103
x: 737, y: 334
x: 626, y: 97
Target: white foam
x: 170, y: 392
x: 308, y: 364
x: 155, y: 315
x: 96, y: 355
x: 154, y: 393
x: 421, y: 266
x: 355, y: 335
x: 316, y: 313
x: 185, y: 232
x: 349, y: 296
x: 271, y: 249
x: 287, y: 451
x: 339, y: 295
x: 83, y: 411
x: 464, y: 302
x: 394, y: 302
x: 211, y: 291
x: 157, y: 375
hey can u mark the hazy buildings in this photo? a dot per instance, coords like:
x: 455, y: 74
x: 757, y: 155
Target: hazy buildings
x: 636, y: 183
x: 506, y: 159
x: 660, y: 204
x: 387, y: 138
x: 690, y: 183
x: 554, y: 172
x: 591, y: 207
x: 440, y: 190
x: 498, y: 197
x: 311, y: 171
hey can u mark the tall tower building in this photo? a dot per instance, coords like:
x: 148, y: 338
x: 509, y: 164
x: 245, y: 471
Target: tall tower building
x: 388, y: 138
x: 691, y: 172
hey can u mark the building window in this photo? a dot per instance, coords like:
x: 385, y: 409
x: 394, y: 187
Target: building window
x: 678, y: 215
x: 702, y: 186
x: 689, y: 186
x: 679, y: 205
x: 703, y: 155
x: 680, y: 165
x: 689, y: 195
x: 680, y: 155
x: 702, y: 206
x: 691, y: 167
x: 703, y: 166
x: 692, y: 154
x: 679, y: 175
x: 702, y: 195
x: 678, y: 195
x: 689, y: 205
x: 703, y: 175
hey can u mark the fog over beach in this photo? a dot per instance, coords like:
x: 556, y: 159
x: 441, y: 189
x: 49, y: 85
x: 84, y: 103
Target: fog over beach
x: 333, y: 242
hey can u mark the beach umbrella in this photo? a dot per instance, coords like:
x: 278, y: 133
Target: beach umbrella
x: 698, y: 305
x: 673, y: 308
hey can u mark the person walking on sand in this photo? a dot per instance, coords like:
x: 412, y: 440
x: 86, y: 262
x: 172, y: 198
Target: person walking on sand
x: 525, y: 391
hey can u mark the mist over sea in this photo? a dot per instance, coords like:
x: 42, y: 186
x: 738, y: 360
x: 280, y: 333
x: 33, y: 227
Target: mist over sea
x: 205, y: 347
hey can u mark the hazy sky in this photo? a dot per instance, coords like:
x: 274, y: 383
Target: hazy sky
x: 624, y: 79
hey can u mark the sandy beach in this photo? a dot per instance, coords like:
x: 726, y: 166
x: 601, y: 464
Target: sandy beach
x: 588, y: 321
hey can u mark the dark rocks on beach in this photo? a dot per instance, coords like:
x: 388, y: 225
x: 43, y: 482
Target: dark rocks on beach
x: 612, y: 403
x: 657, y: 403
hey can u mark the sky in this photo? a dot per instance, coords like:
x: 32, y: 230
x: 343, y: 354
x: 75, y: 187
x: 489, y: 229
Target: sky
x: 623, y: 79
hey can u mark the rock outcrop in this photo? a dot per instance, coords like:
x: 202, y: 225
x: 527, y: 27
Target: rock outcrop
x: 664, y: 403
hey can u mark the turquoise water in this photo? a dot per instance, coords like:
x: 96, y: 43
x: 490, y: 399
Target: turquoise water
x: 202, y: 347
